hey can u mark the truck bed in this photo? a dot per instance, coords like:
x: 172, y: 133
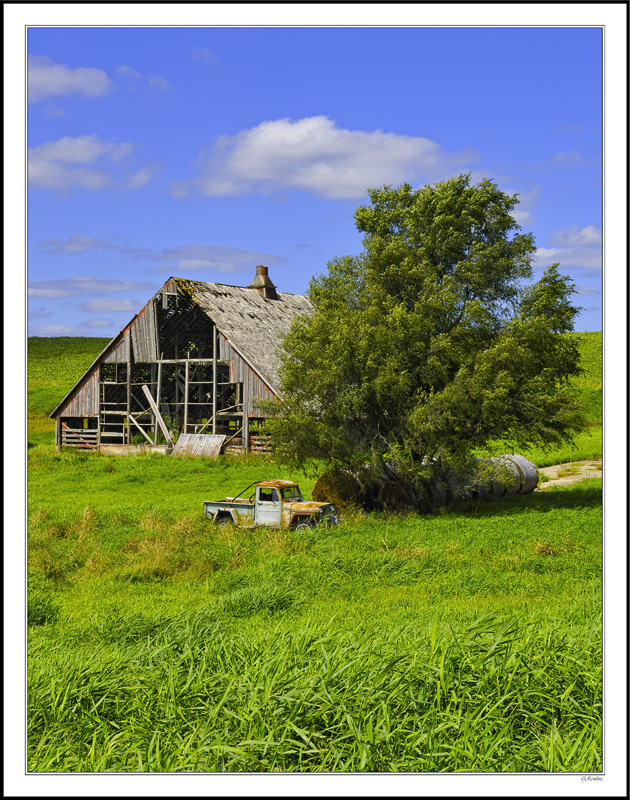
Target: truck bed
x: 241, y: 509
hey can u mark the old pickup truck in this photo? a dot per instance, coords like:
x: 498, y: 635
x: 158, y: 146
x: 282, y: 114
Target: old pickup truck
x: 274, y: 504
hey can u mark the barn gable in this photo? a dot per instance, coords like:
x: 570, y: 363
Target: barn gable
x: 199, y: 354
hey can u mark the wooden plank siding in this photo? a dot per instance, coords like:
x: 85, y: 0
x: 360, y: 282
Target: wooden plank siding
x: 120, y: 349
x: 85, y: 401
x: 144, y: 335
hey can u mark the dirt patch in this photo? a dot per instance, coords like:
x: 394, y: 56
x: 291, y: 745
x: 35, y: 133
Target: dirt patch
x: 572, y: 472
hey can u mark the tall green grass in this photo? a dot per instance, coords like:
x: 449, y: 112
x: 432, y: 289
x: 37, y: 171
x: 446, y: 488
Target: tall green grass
x: 190, y: 695
x: 467, y: 640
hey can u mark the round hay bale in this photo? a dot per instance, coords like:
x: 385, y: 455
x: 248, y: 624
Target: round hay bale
x: 339, y: 487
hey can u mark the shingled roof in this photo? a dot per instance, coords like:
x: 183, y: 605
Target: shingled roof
x: 254, y: 325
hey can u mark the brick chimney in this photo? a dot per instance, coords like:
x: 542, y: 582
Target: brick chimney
x: 263, y: 283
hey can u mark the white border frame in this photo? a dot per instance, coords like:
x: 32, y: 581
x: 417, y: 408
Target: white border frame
x: 613, y: 16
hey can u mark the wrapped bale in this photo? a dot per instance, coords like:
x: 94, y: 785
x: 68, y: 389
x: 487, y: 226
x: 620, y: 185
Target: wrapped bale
x: 393, y: 497
x: 527, y: 471
x: 339, y: 487
x: 513, y: 474
x: 508, y: 479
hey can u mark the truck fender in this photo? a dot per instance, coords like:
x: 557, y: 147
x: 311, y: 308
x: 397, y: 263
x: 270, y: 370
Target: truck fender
x: 298, y: 519
x: 224, y: 515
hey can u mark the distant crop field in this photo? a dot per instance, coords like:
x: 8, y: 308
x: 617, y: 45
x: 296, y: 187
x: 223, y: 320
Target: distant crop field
x: 591, y: 357
x: 465, y: 640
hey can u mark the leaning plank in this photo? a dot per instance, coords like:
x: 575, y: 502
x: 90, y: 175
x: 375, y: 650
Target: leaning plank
x: 141, y: 429
x: 158, y: 416
x: 200, y: 445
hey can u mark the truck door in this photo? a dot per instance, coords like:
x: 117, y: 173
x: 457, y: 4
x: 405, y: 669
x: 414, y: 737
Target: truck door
x: 268, y: 507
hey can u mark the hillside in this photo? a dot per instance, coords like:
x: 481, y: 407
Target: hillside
x: 54, y: 365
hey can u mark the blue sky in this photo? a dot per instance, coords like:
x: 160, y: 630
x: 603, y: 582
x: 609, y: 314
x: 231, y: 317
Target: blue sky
x: 201, y: 152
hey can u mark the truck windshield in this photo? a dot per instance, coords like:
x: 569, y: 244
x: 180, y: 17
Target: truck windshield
x: 291, y: 493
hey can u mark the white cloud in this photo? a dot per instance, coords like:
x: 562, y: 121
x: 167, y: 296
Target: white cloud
x: 571, y: 126
x: 133, y: 76
x: 111, y: 304
x: 204, y: 55
x: 128, y: 72
x: 185, y: 258
x: 51, y: 110
x: 590, y: 235
x: 86, y: 328
x: 53, y: 165
x: 575, y: 247
x: 587, y: 258
x: 39, y: 313
x: 193, y: 257
x: 75, y: 244
x: 49, y: 292
x: 47, y: 79
x: 83, y: 284
x: 79, y: 150
x: 587, y: 290
x: 59, y: 330
x: 527, y: 203
x: 142, y: 176
x: 314, y: 155
x: 158, y: 82
x: 571, y: 159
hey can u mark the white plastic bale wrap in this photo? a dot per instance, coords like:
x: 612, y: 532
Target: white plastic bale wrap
x: 518, y: 475
x: 527, y: 471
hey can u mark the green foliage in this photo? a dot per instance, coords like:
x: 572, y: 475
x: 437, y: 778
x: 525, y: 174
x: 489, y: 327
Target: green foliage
x: 66, y: 356
x: 426, y: 346
x: 589, y: 382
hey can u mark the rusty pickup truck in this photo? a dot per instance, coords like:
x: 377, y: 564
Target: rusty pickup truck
x: 273, y: 504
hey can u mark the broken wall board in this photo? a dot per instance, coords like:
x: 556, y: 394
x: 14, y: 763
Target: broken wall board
x: 199, y: 445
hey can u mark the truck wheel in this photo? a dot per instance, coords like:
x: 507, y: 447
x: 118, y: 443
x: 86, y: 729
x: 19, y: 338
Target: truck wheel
x: 225, y: 520
x: 304, y: 527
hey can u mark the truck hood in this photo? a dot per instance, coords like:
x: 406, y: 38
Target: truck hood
x: 309, y: 508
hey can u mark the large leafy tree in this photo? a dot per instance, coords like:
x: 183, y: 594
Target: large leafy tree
x: 432, y: 342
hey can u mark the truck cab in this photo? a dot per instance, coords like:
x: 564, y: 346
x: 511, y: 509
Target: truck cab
x: 272, y: 504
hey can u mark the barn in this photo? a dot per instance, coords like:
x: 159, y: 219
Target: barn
x: 197, y: 359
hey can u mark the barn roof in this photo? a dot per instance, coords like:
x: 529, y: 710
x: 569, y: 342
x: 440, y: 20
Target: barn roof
x: 254, y: 325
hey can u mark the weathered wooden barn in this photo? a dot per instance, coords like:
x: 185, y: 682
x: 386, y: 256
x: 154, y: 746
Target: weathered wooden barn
x: 197, y: 358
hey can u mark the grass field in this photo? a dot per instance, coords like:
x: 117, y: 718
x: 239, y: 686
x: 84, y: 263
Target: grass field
x: 468, y: 640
